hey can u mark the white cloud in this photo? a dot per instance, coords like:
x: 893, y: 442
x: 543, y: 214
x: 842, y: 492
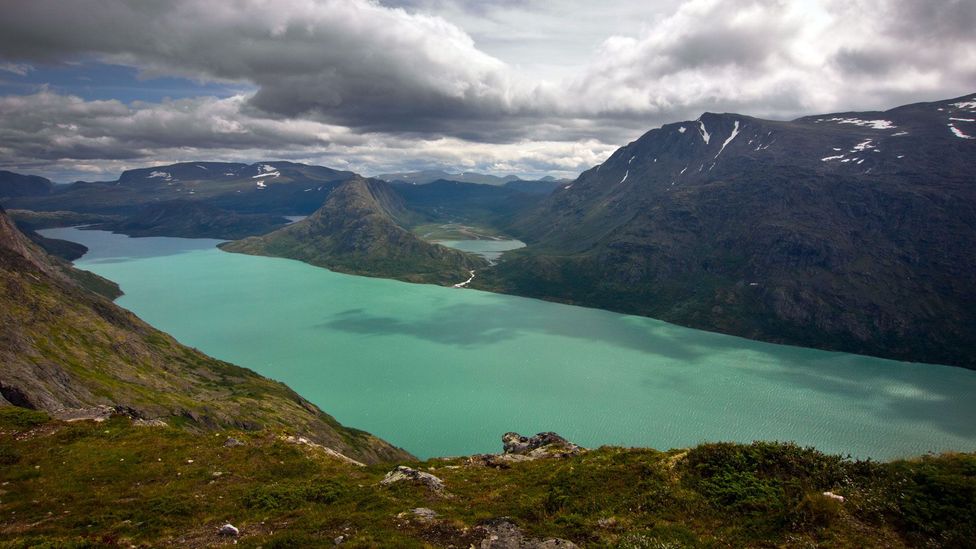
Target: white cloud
x: 20, y: 69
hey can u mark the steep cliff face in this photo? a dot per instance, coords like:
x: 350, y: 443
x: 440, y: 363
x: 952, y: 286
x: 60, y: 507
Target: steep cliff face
x: 358, y: 230
x: 849, y: 231
x: 65, y: 350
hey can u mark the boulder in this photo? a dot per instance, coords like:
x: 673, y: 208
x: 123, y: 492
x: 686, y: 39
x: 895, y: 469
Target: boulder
x: 232, y: 442
x: 403, y: 472
x: 229, y: 530
x: 504, y: 534
x: 540, y: 445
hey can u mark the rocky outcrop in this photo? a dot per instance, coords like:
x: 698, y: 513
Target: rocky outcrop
x: 404, y: 473
x: 547, y: 444
x: 504, y: 534
x: 518, y: 448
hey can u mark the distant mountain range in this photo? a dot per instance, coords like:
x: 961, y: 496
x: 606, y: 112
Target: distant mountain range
x: 264, y: 187
x: 429, y: 176
x: 846, y: 231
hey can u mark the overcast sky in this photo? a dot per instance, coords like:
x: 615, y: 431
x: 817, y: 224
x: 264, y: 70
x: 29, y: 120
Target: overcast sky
x: 532, y: 87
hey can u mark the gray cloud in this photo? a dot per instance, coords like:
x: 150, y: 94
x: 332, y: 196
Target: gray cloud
x: 452, y: 78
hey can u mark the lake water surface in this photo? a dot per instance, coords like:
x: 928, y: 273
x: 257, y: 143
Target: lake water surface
x: 444, y: 371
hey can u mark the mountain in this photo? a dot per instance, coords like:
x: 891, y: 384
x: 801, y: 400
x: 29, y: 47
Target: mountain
x: 188, y: 219
x: 543, y: 186
x: 846, y: 231
x: 359, y: 230
x: 429, y: 176
x: 449, y: 201
x: 14, y: 184
x: 72, y: 353
x: 283, y: 188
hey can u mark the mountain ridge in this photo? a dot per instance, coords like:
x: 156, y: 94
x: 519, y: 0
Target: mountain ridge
x: 848, y: 231
x: 358, y: 231
x: 73, y: 353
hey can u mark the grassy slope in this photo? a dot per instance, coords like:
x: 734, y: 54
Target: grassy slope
x: 358, y: 231
x: 85, y: 484
x: 62, y: 346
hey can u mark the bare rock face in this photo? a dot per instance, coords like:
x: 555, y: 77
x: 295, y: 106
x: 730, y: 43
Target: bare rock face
x: 504, y: 534
x: 402, y: 473
x: 538, y: 446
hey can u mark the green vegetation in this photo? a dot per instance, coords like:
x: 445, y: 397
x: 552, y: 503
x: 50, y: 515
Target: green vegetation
x: 66, y: 350
x: 432, y: 232
x: 360, y: 230
x: 116, y: 483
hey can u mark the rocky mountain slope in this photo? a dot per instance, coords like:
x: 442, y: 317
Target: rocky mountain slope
x: 847, y: 231
x: 72, y: 353
x: 359, y: 230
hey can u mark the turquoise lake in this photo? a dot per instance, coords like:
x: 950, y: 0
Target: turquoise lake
x: 445, y: 371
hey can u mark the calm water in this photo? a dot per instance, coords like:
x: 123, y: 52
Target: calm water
x: 488, y: 249
x: 443, y: 371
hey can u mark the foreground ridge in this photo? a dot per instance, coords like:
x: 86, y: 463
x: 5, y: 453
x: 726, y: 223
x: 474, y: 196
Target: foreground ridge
x: 73, y: 353
x: 200, y: 490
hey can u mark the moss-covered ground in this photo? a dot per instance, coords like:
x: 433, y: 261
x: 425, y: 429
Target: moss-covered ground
x: 115, y: 483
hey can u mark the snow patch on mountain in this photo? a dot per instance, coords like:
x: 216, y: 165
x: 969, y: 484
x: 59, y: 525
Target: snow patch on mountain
x: 735, y: 132
x: 265, y: 170
x: 625, y: 176
x: 682, y: 129
x: 959, y: 133
x: 704, y: 132
x: 873, y: 124
x: 164, y: 175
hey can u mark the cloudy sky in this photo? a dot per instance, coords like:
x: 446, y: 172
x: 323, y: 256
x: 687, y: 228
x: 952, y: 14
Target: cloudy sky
x: 532, y: 87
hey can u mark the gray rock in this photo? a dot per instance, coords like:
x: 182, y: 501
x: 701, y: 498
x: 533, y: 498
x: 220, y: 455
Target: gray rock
x: 229, y: 530
x: 403, y: 472
x: 541, y: 445
x: 504, y: 534
x: 424, y: 514
x: 232, y: 442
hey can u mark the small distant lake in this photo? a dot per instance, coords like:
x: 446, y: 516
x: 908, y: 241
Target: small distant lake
x: 445, y: 371
x: 486, y: 248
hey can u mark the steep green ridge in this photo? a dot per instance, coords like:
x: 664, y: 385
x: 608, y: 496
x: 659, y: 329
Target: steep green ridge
x: 848, y: 231
x: 68, y: 351
x: 115, y: 483
x: 189, y: 219
x: 359, y: 231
